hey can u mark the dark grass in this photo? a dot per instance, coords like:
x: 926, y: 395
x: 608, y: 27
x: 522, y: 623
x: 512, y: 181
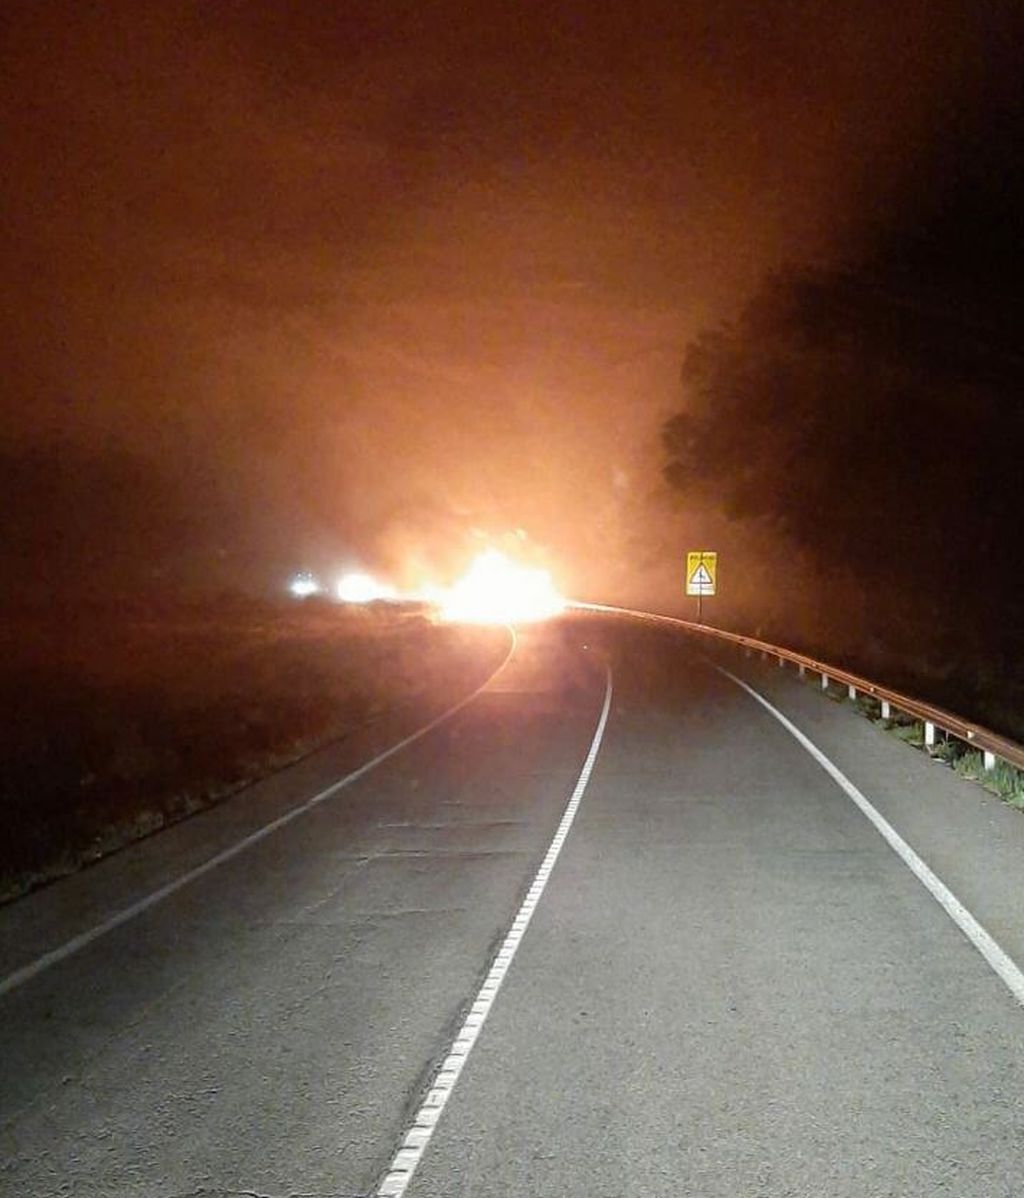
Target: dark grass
x: 119, y: 723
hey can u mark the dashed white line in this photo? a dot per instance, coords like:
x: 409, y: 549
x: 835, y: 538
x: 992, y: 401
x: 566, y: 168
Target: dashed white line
x: 69, y: 947
x: 409, y: 1154
x: 1002, y: 964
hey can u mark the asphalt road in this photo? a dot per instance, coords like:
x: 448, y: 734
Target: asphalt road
x: 731, y: 985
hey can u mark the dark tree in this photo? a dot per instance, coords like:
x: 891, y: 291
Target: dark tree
x: 875, y: 425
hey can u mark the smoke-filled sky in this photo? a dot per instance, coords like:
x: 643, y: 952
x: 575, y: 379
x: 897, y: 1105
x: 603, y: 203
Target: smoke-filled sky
x: 292, y: 284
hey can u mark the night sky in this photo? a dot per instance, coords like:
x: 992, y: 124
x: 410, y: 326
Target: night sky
x: 305, y: 284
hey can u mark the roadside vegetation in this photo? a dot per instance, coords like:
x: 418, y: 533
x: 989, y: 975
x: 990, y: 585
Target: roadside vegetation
x: 862, y: 426
x: 1003, y: 779
x: 121, y: 723
x: 965, y: 670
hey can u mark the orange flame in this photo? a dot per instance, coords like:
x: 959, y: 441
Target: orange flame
x: 496, y: 590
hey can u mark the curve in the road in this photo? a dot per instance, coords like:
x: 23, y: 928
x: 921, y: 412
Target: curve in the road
x: 1002, y: 964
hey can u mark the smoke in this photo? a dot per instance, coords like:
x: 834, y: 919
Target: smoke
x: 394, y: 273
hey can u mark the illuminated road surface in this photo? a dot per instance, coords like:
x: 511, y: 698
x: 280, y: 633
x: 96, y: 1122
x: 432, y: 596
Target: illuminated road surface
x: 730, y: 986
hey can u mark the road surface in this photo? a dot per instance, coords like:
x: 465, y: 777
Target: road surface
x: 730, y: 983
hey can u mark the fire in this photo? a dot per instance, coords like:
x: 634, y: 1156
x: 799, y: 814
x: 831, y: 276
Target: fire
x: 496, y: 590
x: 363, y: 588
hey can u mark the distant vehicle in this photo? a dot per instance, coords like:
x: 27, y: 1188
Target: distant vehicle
x: 304, y: 584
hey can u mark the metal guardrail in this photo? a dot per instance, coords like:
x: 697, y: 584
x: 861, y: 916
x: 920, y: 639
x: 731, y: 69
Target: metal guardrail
x: 992, y: 746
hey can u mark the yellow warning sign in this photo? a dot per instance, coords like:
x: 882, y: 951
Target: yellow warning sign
x: 701, y: 572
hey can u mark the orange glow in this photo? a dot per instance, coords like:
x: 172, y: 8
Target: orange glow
x: 363, y: 588
x: 496, y: 590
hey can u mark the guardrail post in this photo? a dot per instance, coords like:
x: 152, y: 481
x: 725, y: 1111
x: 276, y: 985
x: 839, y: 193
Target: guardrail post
x: 989, y: 760
x: 803, y: 670
x: 929, y: 733
x: 886, y: 710
x: 824, y: 682
x: 851, y: 691
x: 782, y: 662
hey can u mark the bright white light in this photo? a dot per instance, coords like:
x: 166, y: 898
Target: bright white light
x: 303, y: 585
x: 496, y: 590
x: 363, y: 588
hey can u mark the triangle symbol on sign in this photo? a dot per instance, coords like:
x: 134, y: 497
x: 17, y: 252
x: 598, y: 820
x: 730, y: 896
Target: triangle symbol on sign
x: 700, y: 577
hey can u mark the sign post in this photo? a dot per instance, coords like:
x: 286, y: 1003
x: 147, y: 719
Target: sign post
x: 701, y: 576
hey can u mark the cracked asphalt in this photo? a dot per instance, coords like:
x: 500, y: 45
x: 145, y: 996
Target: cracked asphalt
x: 731, y: 986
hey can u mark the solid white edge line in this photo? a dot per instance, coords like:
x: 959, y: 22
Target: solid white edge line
x: 19, y: 976
x: 417, y: 1138
x: 1003, y: 965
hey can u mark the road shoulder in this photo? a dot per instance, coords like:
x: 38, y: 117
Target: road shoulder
x: 969, y: 838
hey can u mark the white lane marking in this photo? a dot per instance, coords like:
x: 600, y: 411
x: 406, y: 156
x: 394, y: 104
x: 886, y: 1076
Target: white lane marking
x: 1003, y: 965
x: 408, y: 1156
x: 22, y: 975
